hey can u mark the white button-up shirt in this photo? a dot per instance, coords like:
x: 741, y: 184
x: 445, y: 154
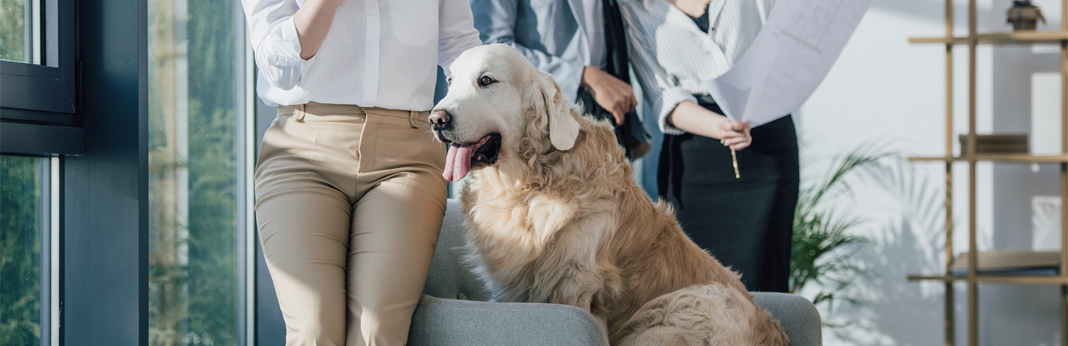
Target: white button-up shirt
x: 377, y: 53
x: 591, y: 19
x: 672, y: 57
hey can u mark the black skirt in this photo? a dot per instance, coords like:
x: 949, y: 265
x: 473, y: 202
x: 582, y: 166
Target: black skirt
x: 747, y: 222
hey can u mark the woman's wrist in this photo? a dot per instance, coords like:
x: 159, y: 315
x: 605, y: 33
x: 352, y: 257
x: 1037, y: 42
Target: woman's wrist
x: 693, y: 118
x: 589, y: 76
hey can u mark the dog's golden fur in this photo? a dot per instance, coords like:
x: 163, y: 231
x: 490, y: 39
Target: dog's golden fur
x: 573, y: 227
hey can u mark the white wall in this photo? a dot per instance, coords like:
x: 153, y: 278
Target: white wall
x: 883, y: 87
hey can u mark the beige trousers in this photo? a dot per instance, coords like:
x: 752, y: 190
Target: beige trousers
x: 349, y: 203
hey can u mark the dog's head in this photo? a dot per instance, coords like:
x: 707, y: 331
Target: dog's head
x: 498, y: 103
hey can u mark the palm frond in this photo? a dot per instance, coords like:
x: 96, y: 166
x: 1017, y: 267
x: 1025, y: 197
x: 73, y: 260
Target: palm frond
x: 866, y: 154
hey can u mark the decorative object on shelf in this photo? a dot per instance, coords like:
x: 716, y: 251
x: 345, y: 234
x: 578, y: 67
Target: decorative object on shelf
x: 1024, y: 16
x: 1046, y: 223
x: 1007, y: 143
x: 1009, y: 262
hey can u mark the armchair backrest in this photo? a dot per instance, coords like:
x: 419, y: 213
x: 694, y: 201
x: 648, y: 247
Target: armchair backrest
x: 450, y: 276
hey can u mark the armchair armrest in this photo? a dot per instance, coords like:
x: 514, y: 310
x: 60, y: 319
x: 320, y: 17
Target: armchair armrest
x: 449, y: 322
x: 796, y: 314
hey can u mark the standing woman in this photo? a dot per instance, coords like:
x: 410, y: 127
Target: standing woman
x: 349, y: 195
x: 746, y: 222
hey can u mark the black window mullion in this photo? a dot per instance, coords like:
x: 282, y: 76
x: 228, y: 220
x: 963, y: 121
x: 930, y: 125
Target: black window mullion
x: 104, y: 237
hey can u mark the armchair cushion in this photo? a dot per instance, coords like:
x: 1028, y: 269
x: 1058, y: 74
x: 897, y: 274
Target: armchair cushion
x: 454, y: 309
x: 451, y: 322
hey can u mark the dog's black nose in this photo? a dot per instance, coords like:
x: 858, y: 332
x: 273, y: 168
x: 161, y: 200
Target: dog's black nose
x: 440, y: 119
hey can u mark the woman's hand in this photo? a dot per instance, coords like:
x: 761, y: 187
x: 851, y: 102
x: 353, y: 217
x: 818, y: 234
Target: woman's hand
x: 735, y: 135
x: 612, y: 94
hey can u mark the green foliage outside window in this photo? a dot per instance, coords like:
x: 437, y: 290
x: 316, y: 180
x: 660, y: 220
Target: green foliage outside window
x: 20, y: 250
x: 13, y: 30
x: 193, y: 261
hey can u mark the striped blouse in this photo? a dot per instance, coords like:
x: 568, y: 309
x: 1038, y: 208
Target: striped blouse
x: 672, y: 56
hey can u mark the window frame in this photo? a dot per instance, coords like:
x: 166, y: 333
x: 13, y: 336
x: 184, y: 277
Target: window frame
x: 38, y: 119
x: 39, y: 115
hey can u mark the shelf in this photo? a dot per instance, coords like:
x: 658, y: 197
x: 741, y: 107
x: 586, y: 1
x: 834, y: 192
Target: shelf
x: 1024, y: 37
x: 1021, y: 158
x: 997, y: 279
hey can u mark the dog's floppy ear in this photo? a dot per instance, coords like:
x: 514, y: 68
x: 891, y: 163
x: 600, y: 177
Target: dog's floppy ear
x: 563, y: 127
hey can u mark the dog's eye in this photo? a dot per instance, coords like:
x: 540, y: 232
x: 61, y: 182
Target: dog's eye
x: 485, y: 81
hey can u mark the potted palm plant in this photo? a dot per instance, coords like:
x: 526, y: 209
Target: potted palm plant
x: 822, y: 244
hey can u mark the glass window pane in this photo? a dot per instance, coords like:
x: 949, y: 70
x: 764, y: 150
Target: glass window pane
x: 17, y: 30
x: 196, y: 95
x: 24, y: 218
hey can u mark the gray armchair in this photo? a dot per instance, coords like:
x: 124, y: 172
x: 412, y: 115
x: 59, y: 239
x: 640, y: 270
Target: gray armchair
x: 454, y: 311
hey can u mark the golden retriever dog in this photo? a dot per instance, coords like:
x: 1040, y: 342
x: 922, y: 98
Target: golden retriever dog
x: 555, y: 216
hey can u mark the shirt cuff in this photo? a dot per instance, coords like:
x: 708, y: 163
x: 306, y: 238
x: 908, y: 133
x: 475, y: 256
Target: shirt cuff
x: 279, y: 56
x: 669, y: 99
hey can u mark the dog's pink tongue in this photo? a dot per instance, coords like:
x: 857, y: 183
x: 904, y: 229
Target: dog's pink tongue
x: 458, y: 162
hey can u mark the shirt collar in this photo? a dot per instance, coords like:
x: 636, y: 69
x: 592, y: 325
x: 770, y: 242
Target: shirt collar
x: 714, y: 8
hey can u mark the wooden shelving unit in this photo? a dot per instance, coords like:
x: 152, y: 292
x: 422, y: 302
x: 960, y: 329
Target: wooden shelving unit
x: 973, y: 278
